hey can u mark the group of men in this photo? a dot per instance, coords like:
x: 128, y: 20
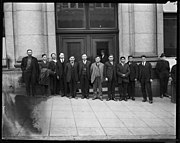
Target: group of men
x: 61, y: 76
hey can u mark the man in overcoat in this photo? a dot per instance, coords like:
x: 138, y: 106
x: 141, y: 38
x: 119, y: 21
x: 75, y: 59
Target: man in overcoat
x: 163, y: 71
x: 110, y: 76
x: 84, y: 75
x: 61, y: 63
x: 71, y: 70
x: 132, y: 77
x: 123, y: 72
x: 30, y: 72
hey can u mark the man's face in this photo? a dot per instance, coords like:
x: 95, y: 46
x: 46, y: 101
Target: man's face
x: 143, y: 59
x: 72, y: 59
x: 84, y: 57
x: 54, y: 56
x: 130, y: 59
x: 29, y: 53
x: 44, y: 57
x: 97, y: 59
x: 111, y: 58
x: 123, y: 60
x: 61, y: 56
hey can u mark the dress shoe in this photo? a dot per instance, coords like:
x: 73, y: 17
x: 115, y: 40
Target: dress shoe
x: 150, y: 101
x: 128, y: 97
x: 94, y: 98
x: 161, y: 96
x: 144, y: 100
x: 70, y: 97
x: 100, y: 98
x: 82, y: 97
x: 125, y: 99
x: 120, y: 99
x: 76, y: 97
x: 87, y: 97
x: 133, y: 98
x: 166, y: 95
x: 114, y: 99
x: 108, y: 99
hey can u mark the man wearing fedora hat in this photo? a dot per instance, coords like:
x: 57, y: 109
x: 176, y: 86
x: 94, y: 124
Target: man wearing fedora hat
x: 162, y: 69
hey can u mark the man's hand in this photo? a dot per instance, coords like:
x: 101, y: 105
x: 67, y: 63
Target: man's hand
x: 135, y: 79
x: 57, y: 77
x: 151, y: 80
x: 106, y: 79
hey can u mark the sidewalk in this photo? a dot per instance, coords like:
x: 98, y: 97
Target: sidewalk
x: 61, y: 118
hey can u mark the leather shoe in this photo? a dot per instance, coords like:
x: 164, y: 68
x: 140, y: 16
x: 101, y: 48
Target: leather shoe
x: 161, y: 96
x: 93, y: 98
x: 101, y: 98
x: 144, y: 100
x: 128, y: 97
x: 107, y: 99
x: 150, y: 101
x: 133, y: 98
x: 120, y: 99
x: 125, y: 99
x: 82, y: 97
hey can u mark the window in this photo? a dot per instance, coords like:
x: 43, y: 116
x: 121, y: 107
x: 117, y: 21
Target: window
x: 86, y: 15
x: 170, y: 34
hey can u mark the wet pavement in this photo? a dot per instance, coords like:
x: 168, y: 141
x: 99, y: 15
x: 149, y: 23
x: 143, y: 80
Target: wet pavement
x: 61, y: 118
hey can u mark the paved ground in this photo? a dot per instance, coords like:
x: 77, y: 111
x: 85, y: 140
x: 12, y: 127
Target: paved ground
x: 61, y: 118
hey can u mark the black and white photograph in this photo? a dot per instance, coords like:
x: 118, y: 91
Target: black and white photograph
x: 89, y: 71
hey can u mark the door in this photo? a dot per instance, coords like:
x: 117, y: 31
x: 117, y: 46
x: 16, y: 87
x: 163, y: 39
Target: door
x: 103, y: 43
x: 72, y: 46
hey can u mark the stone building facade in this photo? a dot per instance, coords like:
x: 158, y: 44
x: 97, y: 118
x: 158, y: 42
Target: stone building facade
x: 139, y: 29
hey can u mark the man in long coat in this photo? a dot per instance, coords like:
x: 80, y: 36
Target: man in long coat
x: 71, y: 70
x: 30, y: 72
x: 110, y: 76
x: 123, y: 72
x: 84, y: 75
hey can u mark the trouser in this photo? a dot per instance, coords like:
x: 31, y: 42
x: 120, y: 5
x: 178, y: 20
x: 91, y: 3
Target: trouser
x: 97, y: 85
x: 111, y: 89
x: 123, y: 89
x: 53, y: 84
x: 163, y: 84
x: 63, y: 85
x: 146, y: 86
x: 84, y: 81
x: 30, y: 83
x: 72, y: 87
x: 45, y: 89
x: 131, y: 88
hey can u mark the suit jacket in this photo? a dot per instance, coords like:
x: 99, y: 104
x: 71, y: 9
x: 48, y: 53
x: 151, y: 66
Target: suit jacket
x: 80, y: 66
x: 173, y: 73
x: 133, y: 71
x: 162, y: 68
x: 34, y: 67
x: 104, y: 59
x: 145, y: 72
x: 123, y: 70
x: 61, y: 68
x: 68, y: 69
x: 52, y: 67
x: 94, y: 69
x: 110, y: 70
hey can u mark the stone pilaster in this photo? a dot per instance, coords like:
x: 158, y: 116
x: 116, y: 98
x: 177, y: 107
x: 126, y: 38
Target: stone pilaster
x: 9, y: 34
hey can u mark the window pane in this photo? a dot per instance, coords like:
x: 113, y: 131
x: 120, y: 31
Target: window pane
x: 170, y: 34
x: 98, y: 4
x: 106, y: 4
x: 80, y: 5
x: 72, y: 17
x: 102, y: 17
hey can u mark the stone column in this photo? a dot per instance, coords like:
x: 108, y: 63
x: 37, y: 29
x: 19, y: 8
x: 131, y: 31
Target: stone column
x: 49, y: 28
x: 9, y: 34
x: 124, y: 29
x: 145, y: 29
x: 28, y: 29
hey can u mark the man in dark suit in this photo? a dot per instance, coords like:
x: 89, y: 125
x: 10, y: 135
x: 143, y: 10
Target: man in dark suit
x: 30, y: 72
x: 132, y: 77
x: 123, y: 72
x: 84, y: 76
x: 71, y: 70
x: 104, y: 57
x: 173, y: 78
x: 110, y: 76
x: 61, y: 74
x: 163, y: 69
x: 145, y: 78
x: 54, y: 82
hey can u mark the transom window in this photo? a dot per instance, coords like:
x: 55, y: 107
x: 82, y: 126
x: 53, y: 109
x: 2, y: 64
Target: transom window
x: 86, y: 15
